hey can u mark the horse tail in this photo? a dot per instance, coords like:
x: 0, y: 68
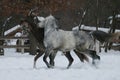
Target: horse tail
x: 81, y: 56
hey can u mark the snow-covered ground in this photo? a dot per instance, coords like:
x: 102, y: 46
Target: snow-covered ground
x: 17, y: 66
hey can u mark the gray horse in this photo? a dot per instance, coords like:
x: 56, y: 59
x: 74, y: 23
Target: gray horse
x: 29, y: 25
x: 56, y: 39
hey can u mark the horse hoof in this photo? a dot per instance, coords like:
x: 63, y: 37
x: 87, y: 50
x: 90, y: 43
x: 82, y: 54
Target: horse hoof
x: 95, y: 62
x: 34, y: 67
x: 50, y: 66
x: 68, y: 67
x: 98, y: 57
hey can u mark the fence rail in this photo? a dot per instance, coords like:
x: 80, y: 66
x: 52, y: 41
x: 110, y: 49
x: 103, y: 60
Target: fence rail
x: 20, y: 46
x: 15, y: 46
x: 3, y: 38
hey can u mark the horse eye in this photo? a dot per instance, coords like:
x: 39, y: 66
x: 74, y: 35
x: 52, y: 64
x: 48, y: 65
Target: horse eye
x: 36, y: 20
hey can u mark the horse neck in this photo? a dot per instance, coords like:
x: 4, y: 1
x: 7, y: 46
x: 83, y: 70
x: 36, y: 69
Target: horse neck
x: 48, y: 29
x: 50, y: 26
x: 35, y: 31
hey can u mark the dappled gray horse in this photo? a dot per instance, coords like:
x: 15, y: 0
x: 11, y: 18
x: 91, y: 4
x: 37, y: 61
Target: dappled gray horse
x: 57, y: 39
x: 29, y: 25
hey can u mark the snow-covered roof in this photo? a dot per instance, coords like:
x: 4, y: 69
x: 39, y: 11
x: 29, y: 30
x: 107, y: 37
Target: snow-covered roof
x: 11, y: 30
x: 91, y: 28
x: 117, y: 16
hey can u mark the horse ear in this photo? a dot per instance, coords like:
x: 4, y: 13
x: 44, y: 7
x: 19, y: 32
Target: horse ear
x: 32, y: 12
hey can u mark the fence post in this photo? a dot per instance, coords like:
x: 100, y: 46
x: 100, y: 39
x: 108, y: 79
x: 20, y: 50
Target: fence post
x: 1, y: 41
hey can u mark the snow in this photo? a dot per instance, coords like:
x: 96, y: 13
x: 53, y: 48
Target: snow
x: 117, y: 16
x: 12, y: 29
x: 17, y: 66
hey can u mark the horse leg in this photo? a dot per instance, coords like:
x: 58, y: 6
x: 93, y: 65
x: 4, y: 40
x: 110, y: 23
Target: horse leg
x: 81, y: 56
x: 47, y: 53
x: 40, y: 53
x: 70, y: 59
x: 52, y: 63
x: 52, y: 57
x: 94, y: 56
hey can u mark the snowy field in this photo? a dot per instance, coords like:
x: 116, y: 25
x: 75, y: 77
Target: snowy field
x: 17, y: 66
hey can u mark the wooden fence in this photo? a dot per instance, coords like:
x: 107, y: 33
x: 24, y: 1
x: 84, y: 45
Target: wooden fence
x: 22, y: 46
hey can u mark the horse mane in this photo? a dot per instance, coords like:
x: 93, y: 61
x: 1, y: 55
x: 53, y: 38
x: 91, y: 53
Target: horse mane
x: 51, y: 19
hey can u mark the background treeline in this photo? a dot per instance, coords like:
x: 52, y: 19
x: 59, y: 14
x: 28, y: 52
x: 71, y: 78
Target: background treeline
x: 68, y: 12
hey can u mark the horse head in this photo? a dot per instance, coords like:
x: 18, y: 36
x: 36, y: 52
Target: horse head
x: 24, y: 25
x: 48, y: 22
x: 28, y: 25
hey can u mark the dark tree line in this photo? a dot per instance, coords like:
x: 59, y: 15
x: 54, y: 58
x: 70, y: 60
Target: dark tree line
x: 68, y: 12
